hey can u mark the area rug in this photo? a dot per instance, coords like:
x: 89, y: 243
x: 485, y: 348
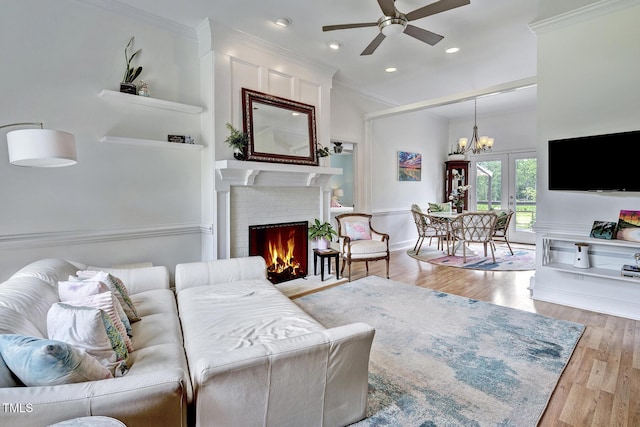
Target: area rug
x: 443, y: 360
x: 310, y: 284
x: 521, y: 260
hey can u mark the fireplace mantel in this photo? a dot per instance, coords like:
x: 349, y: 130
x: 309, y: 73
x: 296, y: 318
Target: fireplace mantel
x: 236, y: 172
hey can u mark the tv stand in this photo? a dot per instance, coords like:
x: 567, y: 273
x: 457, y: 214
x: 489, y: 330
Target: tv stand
x: 600, y: 288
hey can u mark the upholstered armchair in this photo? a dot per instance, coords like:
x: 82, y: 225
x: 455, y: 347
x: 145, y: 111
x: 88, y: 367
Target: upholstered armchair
x: 359, y: 242
x: 500, y: 231
x: 474, y: 227
x: 430, y: 227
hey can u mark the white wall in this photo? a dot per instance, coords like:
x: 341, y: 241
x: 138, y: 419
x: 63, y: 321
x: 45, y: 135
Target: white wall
x: 57, y: 57
x: 587, y: 85
x: 391, y: 200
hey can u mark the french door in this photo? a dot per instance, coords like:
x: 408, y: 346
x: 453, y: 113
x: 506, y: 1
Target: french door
x: 507, y: 181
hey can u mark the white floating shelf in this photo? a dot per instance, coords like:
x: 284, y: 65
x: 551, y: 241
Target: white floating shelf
x: 149, y: 143
x: 150, y: 102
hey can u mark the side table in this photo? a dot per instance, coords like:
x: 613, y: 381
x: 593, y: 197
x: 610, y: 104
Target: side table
x: 328, y: 254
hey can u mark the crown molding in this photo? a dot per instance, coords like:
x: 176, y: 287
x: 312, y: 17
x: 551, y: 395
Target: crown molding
x: 217, y: 31
x: 594, y: 10
x: 122, y: 9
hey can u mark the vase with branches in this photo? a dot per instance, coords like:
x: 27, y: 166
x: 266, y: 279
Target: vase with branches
x: 237, y: 140
x: 131, y: 73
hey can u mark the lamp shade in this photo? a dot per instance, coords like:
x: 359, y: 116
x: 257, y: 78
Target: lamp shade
x: 44, y: 148
x: 338, y: 192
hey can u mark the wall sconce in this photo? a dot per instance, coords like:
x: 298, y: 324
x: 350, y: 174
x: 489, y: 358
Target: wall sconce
x: 41, y: 148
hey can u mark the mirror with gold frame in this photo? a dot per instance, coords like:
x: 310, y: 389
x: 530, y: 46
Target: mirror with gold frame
x: 280, y: 130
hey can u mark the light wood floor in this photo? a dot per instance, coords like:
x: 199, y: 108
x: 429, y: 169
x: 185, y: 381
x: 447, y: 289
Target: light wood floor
x: 601, y: 384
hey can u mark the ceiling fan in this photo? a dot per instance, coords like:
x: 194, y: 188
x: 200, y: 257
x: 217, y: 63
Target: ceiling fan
x: 395, y: 22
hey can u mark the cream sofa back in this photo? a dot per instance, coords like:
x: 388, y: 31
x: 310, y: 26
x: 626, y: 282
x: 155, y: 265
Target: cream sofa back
x: 154, y: 392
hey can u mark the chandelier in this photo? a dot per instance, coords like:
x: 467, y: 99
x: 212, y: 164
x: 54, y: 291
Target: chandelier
x: 478, y: 144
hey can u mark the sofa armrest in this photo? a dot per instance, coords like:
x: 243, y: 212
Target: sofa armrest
x: 140, y: 279
x: 136, y: 400
x: 313, y: 379
x: 220, y: 271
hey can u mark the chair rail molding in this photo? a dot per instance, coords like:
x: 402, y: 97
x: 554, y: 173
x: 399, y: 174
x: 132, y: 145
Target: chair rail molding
x: 58, y: 238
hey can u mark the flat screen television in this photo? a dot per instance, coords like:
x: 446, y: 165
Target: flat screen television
x: 608, y: 162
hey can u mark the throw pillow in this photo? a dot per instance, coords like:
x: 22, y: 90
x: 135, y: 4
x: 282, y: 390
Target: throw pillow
x: 76, y: 290
x: 358, y: 230
x: 92, y: 330
x: 108, y: 302
x: 440, y: 207
x: 44, y: 362
x: 118, y: 289
x: 7, y: 378
x: 501, y: 222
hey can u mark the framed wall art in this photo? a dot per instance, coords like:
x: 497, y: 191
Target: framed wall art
x: 629, y: 226
x: 409, y: 166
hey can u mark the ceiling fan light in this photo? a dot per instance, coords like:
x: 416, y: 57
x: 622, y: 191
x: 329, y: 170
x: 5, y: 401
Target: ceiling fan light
x: 392, y: 29
x: 335, y: 45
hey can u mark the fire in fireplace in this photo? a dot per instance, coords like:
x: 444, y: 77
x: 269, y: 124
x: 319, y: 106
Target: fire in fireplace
x: 283, y: 247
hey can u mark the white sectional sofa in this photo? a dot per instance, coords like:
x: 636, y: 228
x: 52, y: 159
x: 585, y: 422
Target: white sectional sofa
x: 257, y: 359
x: 254, y: 357
x: 154, y: 392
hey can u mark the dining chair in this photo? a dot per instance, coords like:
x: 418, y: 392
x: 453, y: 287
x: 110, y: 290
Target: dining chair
x: 360, y: 242
x: 430, y: 227
x: 474, y: 227
x: 501, y: 229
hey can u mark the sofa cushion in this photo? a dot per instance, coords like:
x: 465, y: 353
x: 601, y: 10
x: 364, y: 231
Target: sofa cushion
x: 92, y: 330
x: 139, y: 279
x: 43, y: 362
x: 76, y: 289
x: 30, y: 297
x: 50, y: 270
x: 368, y: 248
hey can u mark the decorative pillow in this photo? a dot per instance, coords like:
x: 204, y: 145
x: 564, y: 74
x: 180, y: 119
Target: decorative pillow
x: 501, y: 222
x: 92, y: 330
x: 76, y: 290
x: 358, y: 230
x: 108, y: 302
x: 43, y: 362
x: 7, y: 378
x: 440, y: 207
x: 118, y: 289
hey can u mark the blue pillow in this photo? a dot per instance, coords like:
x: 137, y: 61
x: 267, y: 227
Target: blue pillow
x: 42, y: 362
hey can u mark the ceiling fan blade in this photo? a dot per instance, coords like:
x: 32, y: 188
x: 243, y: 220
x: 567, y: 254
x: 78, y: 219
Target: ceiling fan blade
x: 423, y: 35
x: 347, y: 26
x: 373, y: 45
x: 388, y: 7
x: 437, y: 7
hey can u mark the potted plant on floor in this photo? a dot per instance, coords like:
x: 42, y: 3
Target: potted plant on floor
x: 322, y: 233
x: 238, y: 141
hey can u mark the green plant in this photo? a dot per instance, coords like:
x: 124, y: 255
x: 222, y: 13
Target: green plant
x: 130, y: 73
x: 455, y: 149
x: 322, y: 151
x: 319, y: 230
x: 236, y: 139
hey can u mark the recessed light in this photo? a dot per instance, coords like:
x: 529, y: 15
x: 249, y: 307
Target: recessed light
x: 282, y: 22
x: 335, y: 45
x: 391, y: 69
x: 453, y: 50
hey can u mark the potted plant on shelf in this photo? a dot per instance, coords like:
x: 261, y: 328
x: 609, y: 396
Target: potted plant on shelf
x: 322, y: 153
x: 456, y: 152
x: 130, y: 73
x: 238, y: 141
x: 322, y: 233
